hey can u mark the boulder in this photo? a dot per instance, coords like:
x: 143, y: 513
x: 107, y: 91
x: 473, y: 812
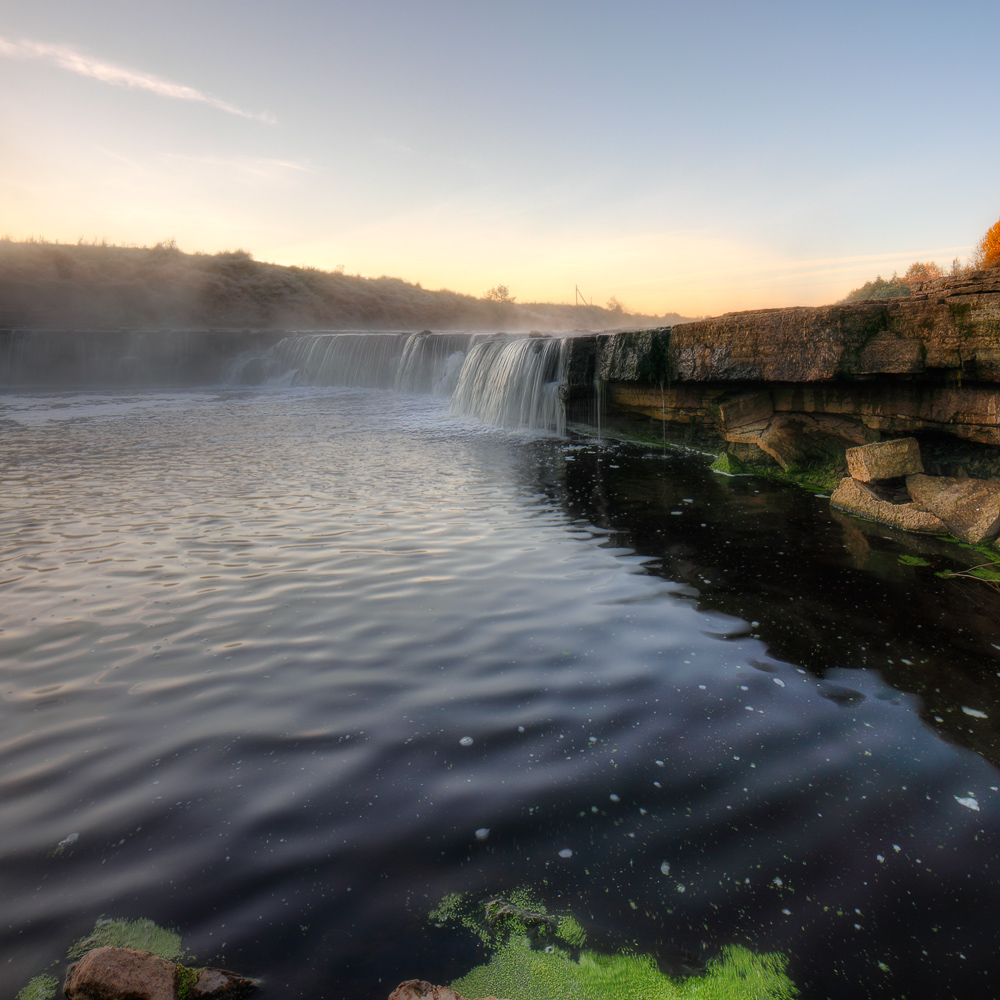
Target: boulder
x: 884, y: 460
x: 127, y: 974
x: 857, y: 498
x: 120, y: 974
x: 418, y: 989
x: 969, y: 507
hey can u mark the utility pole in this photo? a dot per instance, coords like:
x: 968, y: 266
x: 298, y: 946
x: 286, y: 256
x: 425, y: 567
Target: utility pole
x: 580, y: 296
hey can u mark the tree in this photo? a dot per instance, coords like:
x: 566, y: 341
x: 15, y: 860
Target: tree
x: 922, y: 272
x: 880, y: 288
x: 987, y: 254
x: 617, y: 307
x: 498, y: 293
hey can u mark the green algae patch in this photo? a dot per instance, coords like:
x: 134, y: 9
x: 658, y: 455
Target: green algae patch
x: 142, y: 935
x: 906, y: 560
x: 539, y: 956
x: 39, y: 988
x: 520, y: 972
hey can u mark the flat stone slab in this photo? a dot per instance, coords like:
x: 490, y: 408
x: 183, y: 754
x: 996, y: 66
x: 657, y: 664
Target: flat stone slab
x: 857, y: 498
x: 884, y: 460
x: 969, y: 507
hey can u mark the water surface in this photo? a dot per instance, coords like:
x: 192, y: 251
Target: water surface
x: 276, y: 656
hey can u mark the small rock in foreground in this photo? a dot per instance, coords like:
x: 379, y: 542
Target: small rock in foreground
x: 419, y: 989
x: 126, y: 974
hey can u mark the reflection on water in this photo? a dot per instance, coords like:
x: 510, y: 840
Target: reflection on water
x: 294, y: 664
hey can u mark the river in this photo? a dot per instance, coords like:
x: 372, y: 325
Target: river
x: 283, y: 665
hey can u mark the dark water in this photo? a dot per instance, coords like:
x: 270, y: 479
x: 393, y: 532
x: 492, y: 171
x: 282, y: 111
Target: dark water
x: 248, y: 635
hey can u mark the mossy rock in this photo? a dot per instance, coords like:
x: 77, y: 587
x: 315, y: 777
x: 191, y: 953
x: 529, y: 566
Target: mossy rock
x: 729, y: 465
x: 141, y: 934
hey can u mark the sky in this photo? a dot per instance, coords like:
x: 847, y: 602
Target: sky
x: 681, y: 157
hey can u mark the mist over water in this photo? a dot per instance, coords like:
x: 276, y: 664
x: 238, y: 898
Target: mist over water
x: 277, y: 654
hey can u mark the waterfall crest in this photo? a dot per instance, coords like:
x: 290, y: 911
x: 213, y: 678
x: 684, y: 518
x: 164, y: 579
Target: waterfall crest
x: 513, y: 383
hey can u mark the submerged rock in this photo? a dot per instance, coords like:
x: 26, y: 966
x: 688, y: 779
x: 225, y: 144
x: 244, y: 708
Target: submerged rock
x: 858, y: 498
x: 110, y: 973
x: 884, y: 460
x: 969, y: 507
x: 418, y: 989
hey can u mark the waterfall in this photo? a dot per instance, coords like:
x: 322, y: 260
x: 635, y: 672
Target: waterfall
x: 502, y: 380
x: 513, y: 383
x: 413, y: 362
x: 367, y: 360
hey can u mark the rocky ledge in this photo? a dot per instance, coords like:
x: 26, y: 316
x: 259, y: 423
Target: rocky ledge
x: 792, y: 387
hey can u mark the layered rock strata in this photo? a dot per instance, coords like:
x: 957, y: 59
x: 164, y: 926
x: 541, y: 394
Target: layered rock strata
x: 800, y: 386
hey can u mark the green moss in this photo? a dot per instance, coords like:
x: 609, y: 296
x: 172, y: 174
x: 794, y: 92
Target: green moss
x: 39, y: 988
x: 728, y: 465
x: 572, y: 932
x: 141, y: 934
x: 184, y: 981
x: 528, y: 964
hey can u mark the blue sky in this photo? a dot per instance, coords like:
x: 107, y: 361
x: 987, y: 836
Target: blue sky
x: 678, y: 156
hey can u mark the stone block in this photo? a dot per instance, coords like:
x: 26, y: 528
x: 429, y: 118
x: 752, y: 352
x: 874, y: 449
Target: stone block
x: 857, y: 498
x: 969, y: 507
x: 884, y: 460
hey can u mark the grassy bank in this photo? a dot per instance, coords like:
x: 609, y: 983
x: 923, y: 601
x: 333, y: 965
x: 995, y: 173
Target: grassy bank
x: 97, y: 285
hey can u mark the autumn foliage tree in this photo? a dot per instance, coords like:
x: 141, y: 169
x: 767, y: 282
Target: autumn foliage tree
x: 919, y: 271
x: 987, y: 254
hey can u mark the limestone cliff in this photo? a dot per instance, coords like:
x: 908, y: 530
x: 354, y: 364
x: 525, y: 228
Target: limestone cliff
x: 800, y: 385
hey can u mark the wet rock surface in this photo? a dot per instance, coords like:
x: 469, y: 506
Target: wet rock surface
x: 969, y: 507
x: 127, y: 974
x: 859, y: 498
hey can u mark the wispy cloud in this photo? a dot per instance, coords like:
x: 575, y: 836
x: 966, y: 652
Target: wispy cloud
x: 255, y: 166
x: 68, y: 58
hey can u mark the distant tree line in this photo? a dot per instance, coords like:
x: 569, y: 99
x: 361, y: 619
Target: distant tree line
x: 102, y: 285
x: 986, y: 255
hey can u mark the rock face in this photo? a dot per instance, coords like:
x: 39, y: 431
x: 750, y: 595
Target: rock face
x: 858, y: 498
x: 418, y: 989
x: 884, y: 460
x: 127, y: 974
x: 925, y: 363
x: 969, y: 507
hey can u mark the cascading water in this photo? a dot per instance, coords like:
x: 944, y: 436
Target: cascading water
x: 369, y: 360
x: 513, y: 383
